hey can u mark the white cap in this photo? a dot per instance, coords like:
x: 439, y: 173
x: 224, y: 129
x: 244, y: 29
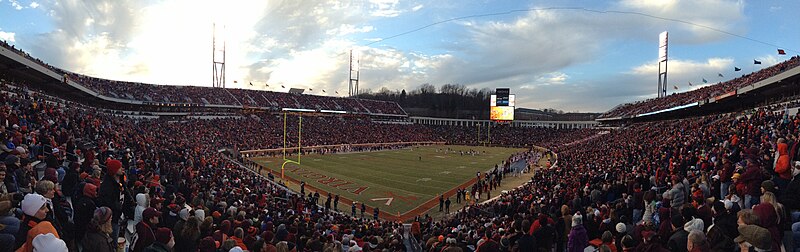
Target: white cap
x: 184, y: 214
x: 48, y: 242
x: 32, y: 203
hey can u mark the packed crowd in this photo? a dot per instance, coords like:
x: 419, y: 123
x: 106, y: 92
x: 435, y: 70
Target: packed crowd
x: 235, y: 97
x: 212, y: 96
x: 75, y: 177
x: 509, y: 136
x: 699, y: 94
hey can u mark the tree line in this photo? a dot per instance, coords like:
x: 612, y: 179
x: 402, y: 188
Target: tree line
x: 450, y: 100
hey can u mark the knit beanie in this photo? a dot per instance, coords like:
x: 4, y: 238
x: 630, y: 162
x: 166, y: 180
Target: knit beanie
x: 90, y: 190
x: 113, y: 166
x: 32, y: 203
x: 49, y: 242
x: 163, y: 235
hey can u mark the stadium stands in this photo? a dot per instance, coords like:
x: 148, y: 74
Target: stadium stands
x: 704, y: 183
x: 710, y: 91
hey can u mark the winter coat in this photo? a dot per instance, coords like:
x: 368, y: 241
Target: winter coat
x: 752, y: 179
x: 157, y: 247
x: 146, y: 236
x: 677, y: 242
x: 578, y: 239
x: 98, y: 242
x: 141, y: 205
x: 782, y: 167
x: 791, y: 196
x: 84, y: 211
x: 109, y: 196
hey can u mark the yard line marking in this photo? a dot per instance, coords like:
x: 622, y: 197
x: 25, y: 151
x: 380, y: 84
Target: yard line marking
x: 424, y: 179
x: 388, y: 200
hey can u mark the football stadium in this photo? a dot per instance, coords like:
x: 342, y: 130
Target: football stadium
x: 395, y: 126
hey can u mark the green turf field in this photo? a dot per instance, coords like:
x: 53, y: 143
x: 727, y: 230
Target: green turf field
x: 394, y: 177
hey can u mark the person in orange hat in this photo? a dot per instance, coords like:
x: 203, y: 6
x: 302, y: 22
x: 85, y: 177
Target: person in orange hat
x: 84, y: 209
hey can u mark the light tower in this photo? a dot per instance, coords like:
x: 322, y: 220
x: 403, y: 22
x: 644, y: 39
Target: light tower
x: 354, y: 72
x: 662, y: 64
x: 218, y: 67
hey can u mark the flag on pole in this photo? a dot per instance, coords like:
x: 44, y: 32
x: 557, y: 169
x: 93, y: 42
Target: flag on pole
x: 337, y: 92
x: 704, y: 80
x: 282, y: 86
x: 235, y: 82
x: 690, y: 83
x: 676, y: 87
x: 736, y: 69
x: 310, y: 89
x: 756, y: 62
x: 781, y: 52
x: 323, y: 90
x: 251, y: 83
x: 265, y: 84
x: 720, y: 75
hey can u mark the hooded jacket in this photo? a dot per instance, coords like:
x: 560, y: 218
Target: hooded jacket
x: 141, y: 205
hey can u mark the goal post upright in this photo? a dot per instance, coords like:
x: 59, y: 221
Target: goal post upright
x: 299, y: 138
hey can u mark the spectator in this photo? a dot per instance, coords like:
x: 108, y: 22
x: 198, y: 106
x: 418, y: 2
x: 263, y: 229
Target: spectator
x: 34, y: 207
x: 145, y: 229
x: 163, y: 242
x: 189, y: 235
x: 697, y: 242
x: 578, y: 238
x: 753, y: 236
x: 48, y: 242
x: 98, y: 236
x: 679, y: 237
x: 112, y: 193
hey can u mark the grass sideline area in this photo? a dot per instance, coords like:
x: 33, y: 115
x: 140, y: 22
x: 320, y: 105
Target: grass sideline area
x: 399, y: 182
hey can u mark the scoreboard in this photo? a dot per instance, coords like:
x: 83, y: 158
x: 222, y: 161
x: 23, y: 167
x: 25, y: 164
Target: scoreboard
x: 502, y: 105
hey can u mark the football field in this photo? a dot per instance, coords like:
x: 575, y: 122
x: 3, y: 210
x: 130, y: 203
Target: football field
x: 401, y: 183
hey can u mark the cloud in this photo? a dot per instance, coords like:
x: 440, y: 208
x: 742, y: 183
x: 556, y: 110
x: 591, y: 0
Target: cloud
x: 686, y: 67
x: 7, y: 36
x: 769, y: 60
x: 305, y: 44
x: 16, y: 5
x: 346, y: 29
x: 727, y: 16
x: 385, y: 8
x: 33, y: 5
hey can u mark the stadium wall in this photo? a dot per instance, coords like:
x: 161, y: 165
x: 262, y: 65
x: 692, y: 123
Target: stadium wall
x: 515, y: 123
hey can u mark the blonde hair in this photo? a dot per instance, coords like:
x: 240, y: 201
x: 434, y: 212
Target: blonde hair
x: 770, y: 198
x: 106, y: 228
x: 282, y: 247
x: 44, y: 186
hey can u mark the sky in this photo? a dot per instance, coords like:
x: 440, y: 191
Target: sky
x: 585, y: 56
